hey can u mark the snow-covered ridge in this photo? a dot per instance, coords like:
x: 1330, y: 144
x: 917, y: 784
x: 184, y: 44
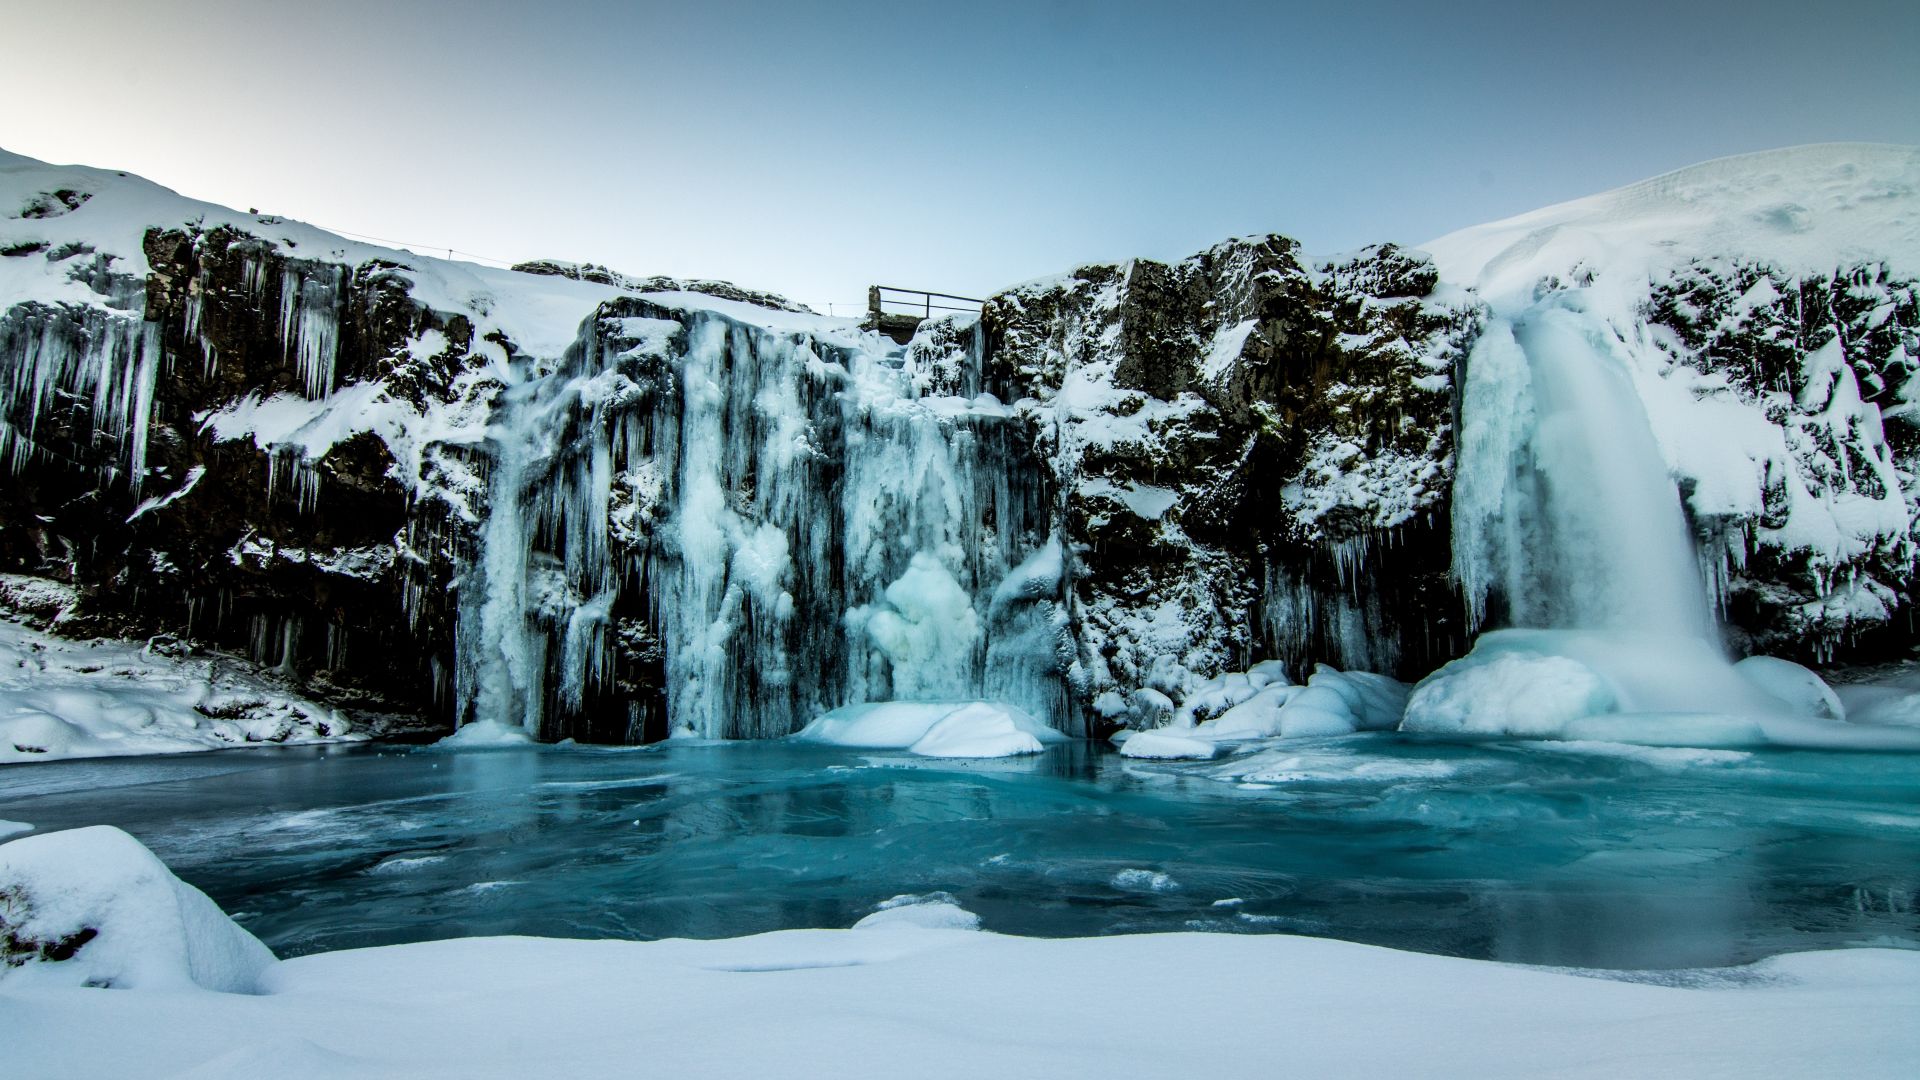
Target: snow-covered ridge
x: 1803, y: 209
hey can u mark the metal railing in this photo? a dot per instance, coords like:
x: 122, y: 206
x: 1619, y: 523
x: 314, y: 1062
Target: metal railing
x: 913, y: 303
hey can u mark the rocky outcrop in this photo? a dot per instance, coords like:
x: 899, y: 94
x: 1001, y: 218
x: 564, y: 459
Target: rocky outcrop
x: 1820, y: 565
x: 1253, y: 450
x: 123, y: 488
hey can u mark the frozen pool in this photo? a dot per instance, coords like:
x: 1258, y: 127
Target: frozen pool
x: 1590, y: 855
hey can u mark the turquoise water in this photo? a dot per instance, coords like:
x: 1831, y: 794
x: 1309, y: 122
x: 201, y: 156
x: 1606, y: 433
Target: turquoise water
x: 1584, y: 855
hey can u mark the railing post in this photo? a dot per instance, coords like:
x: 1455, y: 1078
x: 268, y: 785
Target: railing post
x: 873, y: 304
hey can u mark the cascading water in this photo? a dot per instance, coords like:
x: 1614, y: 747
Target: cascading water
x: 1564, y: 508
x: 1569, y: 532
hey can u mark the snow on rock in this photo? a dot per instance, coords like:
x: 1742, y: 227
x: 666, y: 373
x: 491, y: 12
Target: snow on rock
x: 94, y: 907
x: 1261, y: 704
x: 61, y: 699
x: 977, y: 729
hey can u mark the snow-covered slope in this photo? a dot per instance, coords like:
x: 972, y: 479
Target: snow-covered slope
x: 1804, y: 210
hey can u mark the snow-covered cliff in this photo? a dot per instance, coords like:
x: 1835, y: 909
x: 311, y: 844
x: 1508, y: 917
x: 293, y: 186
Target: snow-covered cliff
x: 612, y: 507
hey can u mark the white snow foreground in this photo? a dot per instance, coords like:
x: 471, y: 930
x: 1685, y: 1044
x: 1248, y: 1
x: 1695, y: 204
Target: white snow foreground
x: 973, y: 729
x: 914, y: 994
x: 64, y: 699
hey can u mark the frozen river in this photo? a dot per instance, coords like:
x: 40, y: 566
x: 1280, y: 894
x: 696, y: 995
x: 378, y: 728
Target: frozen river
x: 1573, y: 854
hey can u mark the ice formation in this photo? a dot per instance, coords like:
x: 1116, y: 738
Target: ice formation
x: 975, y: 729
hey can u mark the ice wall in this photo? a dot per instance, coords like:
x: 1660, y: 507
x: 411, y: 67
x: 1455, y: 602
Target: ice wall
x: 776, y: 519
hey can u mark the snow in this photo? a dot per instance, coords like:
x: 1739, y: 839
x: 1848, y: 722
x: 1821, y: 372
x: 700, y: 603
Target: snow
x: 61, y: 699
x: 1805, y: 208
x: 149, y: 929
x: 917, y: 993
x: 975, y: 729
x: 1645, y: 690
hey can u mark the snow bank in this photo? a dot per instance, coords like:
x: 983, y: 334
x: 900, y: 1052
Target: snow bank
x: 94, y: 907
x: 974, y: 729
x: 906, y: 995
x: 64, y: 699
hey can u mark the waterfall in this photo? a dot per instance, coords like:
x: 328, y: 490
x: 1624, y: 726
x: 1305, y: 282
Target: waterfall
x: 1564, y: 510
x: 780, y: 514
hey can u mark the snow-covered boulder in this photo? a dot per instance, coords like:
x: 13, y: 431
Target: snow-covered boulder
x: 94, y: 907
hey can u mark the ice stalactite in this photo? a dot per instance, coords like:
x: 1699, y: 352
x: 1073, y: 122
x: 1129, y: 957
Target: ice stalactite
x: 73, y: 365
x: 310, y: 296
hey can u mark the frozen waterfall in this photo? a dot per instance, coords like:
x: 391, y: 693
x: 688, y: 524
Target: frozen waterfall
x: 1564, y: 510
x: 742, y: 527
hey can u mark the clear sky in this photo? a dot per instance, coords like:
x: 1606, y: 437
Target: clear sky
x: 814, y: 148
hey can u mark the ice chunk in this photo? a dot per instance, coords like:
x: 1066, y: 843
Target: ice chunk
x: 1168, y: 744
x: 932, y: 728
x: 979, y: 730
x: 928, y: 629
x: 1510, y: 693
x: 486, y: 733
x: 94, y: 907
x: 929, y: 911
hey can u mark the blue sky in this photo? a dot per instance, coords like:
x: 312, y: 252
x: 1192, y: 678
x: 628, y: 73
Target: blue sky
x: 815, y: 148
